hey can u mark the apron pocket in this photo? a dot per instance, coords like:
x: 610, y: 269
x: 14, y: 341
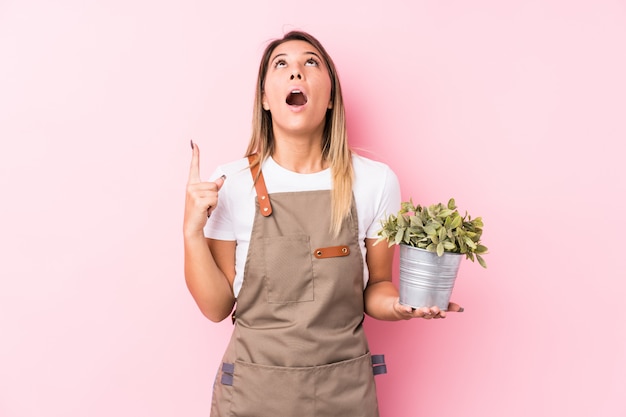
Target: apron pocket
x: 272, y: 391
x: 288, y: 269
x: 347, y: 388
x: 339, y: 389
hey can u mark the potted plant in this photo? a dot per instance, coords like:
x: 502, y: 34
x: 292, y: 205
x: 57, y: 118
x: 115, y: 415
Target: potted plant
x: 432, y: 243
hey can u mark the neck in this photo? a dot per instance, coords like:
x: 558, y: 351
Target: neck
x: 300, y: 155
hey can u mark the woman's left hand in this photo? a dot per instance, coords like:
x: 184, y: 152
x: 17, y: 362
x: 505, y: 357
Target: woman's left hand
x: 408, y: 312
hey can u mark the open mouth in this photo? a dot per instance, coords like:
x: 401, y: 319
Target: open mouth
x: 296, y: 98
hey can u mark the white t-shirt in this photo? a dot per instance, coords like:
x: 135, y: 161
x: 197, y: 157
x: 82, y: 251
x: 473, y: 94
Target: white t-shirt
x: 376, y: 192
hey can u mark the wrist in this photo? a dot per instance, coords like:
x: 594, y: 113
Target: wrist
x: 193, y: 234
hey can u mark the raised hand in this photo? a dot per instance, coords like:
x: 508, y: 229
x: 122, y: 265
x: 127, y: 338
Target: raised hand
x: 201, y: 197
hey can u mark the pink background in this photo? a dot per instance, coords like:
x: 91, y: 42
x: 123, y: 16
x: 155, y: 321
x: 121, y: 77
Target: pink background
x: 516, y: 108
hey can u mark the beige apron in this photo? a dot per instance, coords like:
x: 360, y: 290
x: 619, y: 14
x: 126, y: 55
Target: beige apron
x: 298, y: 346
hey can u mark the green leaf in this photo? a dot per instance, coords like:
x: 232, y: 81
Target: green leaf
x: 407, y: 235
x: 462, y: 246
x: 399, y: 235
x: 435, y: 223
x: 442, y: 233
x: 449, y: 246
x: 451, y: 204
x: 421, y: 235
x: 480, y: 249
x: 470, y: 243
x: 416, y: 221
x: 456, y: 222
x: 430, y: 230
x: 440, y: 249
x: 445, y: 213
x: 416, y: 231
x: 481, y: 261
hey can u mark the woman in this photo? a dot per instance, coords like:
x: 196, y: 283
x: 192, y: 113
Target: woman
x: 290, y: 241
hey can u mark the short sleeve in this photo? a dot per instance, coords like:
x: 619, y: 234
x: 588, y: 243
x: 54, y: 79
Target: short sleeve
x: 388, y: 203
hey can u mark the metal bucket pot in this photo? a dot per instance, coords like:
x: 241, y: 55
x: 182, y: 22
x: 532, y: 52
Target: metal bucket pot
x: 427, y: 279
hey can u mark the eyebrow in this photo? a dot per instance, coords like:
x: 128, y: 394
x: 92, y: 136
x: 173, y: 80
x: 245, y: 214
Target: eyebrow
x: 305, y: 53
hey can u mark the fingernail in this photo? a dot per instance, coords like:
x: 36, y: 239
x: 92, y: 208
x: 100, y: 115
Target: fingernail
x: 461, y: 309
x: 191, y: 142
x: 223, y: 176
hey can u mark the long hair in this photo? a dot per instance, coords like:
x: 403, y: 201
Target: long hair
x: 335, y: 149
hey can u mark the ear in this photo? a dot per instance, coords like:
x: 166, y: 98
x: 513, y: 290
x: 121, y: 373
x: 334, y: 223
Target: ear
x: 266, y: 105
x: 330, y: 104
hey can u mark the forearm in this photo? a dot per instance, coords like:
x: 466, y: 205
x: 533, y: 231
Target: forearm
x: 380, y: 298
x: 206, y: 282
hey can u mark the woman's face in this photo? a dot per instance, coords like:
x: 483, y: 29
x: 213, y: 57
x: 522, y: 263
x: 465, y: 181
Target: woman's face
x: 297, y: 89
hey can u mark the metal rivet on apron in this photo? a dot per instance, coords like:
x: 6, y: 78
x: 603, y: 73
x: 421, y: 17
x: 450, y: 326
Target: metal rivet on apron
x: 319, y: 253
x: 262, y: 197
x: 344, y: 250
x: 265, y: 209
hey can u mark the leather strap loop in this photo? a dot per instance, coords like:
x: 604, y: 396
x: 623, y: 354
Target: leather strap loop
x: 331, y: 252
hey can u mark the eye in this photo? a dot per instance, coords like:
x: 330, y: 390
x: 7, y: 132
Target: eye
x: 311, y: 62
x: 281, y: 63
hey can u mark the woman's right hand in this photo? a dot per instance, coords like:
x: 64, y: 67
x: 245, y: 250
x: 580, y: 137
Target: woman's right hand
x: 201, y: 197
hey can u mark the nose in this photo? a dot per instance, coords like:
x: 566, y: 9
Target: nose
x: 296, y: 74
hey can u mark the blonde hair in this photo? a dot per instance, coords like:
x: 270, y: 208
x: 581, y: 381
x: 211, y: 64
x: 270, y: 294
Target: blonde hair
x: 335, y: 149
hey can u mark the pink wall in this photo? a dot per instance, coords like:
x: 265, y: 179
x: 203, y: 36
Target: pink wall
x: 515, y: 108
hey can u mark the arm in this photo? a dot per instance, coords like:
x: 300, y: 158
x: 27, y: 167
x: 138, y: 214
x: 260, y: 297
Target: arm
x: 209, y: 264
x: 381, y: 295
x: 382, y: 301
x: 209, y: 274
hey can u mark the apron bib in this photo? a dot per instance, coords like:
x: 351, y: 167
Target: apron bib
x: 298, y: 347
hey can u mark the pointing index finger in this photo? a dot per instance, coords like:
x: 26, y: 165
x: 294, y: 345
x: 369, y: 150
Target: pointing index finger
x: 194, y: 169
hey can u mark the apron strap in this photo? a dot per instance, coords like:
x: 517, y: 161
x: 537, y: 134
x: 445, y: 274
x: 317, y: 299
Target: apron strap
x: 259, y: 185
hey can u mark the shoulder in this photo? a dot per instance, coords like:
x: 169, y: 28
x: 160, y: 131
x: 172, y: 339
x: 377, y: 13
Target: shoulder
x: 376, y: 190
x: 238, y: 182
x: 233, y: 169
x: 370, y: 172
x: 236, y: 201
